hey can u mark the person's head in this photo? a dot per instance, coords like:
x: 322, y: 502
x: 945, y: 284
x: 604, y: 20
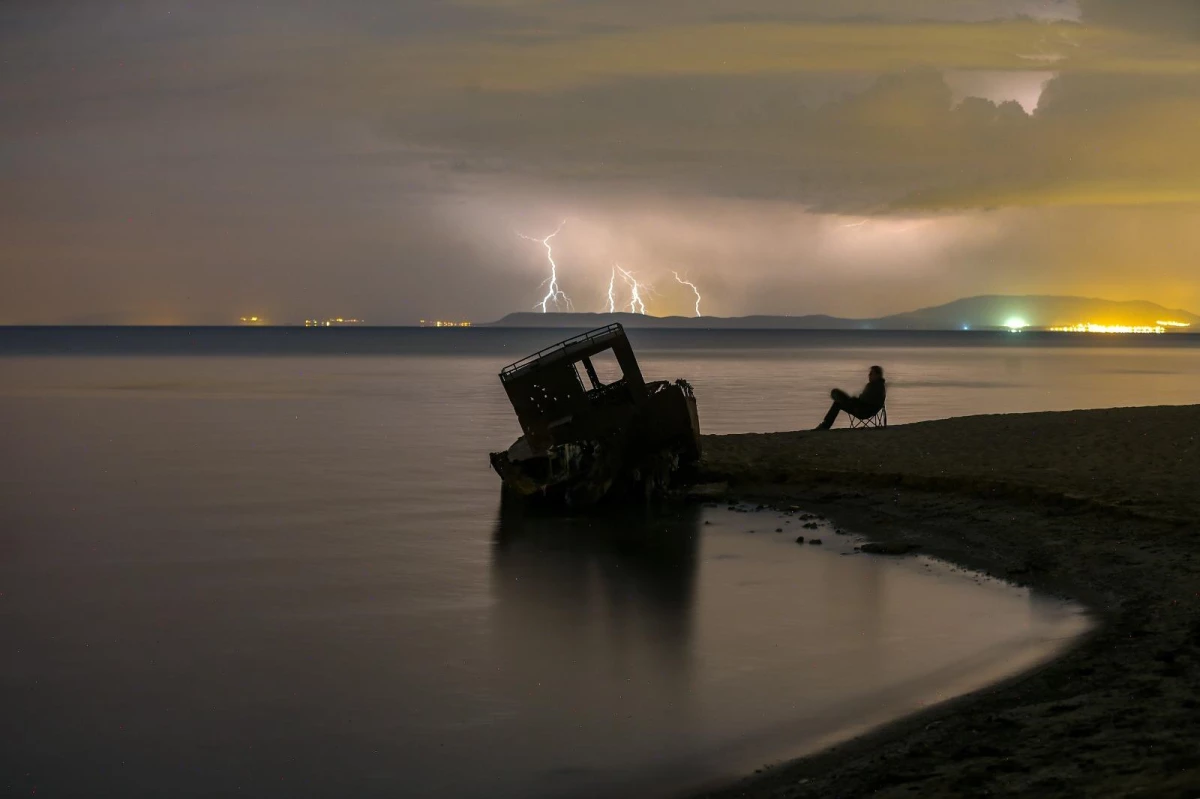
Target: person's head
x: 876, y: 373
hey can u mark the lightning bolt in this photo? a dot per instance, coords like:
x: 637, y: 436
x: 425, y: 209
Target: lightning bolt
x: 636, y: 304
x: 695, y: 290
x: 553, y: 293
x: 612, y: 297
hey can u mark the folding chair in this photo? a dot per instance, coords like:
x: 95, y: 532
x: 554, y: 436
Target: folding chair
x: 878, y: 420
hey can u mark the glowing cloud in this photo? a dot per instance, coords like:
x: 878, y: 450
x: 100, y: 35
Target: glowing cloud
x: 1023, y: 87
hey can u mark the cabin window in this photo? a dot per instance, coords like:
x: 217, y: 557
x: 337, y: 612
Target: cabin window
x: 581, y: 373
x: 608, y: 370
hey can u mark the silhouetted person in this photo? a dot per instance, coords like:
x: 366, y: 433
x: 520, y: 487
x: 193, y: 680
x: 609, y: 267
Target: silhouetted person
x: 864, y: 406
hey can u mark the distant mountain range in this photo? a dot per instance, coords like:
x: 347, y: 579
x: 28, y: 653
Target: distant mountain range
x: 989, y: 312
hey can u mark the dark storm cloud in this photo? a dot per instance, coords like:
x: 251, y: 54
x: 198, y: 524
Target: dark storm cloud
x: 1172, y: 18
x: 901, y: 141
x: 188, y: 161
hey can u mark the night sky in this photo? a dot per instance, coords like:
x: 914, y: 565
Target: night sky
x: 193, y: 161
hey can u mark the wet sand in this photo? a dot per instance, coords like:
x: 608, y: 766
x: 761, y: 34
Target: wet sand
x: 1101, y: 506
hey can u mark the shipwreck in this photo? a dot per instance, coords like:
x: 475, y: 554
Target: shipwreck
x: 586, y: 440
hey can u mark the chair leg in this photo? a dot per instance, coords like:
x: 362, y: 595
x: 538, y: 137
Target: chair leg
x: 878, y: 421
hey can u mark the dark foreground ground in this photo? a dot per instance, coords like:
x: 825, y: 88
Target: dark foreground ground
x: 1101, y: 506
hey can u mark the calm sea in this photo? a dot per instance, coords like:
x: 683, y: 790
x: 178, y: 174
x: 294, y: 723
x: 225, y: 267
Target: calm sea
x: 275, y: 562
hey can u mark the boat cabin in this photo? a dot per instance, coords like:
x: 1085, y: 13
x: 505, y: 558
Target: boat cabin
x: 559, y: 396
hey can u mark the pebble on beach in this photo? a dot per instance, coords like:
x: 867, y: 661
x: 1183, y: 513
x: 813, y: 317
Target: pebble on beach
x: 800, y: 540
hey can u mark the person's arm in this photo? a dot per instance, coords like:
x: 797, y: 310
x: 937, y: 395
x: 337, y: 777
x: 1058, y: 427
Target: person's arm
x: 873, y: 394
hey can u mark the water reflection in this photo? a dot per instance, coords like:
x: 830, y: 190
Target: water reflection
x: 624, y: 583
x: 596, y: 614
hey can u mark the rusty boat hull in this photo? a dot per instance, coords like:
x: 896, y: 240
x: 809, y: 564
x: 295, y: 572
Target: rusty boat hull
x: 581, y: 446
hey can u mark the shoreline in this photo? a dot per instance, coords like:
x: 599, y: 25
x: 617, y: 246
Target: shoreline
x: 1098, y: 506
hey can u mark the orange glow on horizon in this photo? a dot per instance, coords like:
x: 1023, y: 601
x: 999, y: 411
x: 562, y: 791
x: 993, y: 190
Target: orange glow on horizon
x: 1091, y: 327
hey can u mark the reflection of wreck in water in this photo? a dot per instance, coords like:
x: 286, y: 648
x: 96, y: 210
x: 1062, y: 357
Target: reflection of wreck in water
x: 579, y: 443
x: 607, y: 608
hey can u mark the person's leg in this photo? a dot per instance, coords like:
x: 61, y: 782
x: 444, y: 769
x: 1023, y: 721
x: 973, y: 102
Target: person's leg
x: 839, y: 398
x: 830, y: 417
x: 858, y: 409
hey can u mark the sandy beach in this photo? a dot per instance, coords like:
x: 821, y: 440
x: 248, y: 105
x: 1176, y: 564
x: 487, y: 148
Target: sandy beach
x: 1100, y: 506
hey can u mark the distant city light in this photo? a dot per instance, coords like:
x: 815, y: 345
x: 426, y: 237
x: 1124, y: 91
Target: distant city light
x: 332, y: 322
x: 1089, y: 327
x: 1016, y: 324
x: 443, y: 323
x: 253, y: 320
x: 1173, y: 324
